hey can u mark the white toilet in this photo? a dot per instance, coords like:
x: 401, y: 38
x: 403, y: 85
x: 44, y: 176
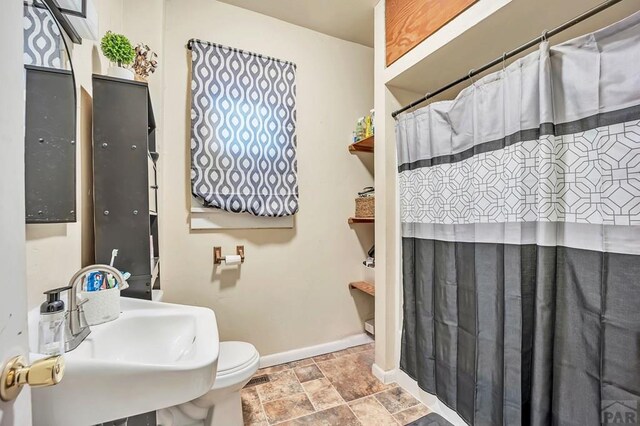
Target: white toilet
x: 221, y: 406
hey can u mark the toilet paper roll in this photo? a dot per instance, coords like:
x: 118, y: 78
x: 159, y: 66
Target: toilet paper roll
x: 233, y: 259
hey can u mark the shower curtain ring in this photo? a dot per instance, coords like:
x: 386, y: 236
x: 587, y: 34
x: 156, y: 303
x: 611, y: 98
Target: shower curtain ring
x: 504, y: 61
x: 544, y: 35
x: 471, y: 76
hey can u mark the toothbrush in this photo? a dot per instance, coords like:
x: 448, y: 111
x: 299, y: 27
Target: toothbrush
x: 109, y: 280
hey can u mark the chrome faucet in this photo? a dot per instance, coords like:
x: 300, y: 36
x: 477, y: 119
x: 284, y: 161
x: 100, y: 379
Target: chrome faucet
x: 77, y: 328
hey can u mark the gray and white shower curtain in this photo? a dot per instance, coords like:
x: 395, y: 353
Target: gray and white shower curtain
x: 520, y: 211
x: 243, y: 131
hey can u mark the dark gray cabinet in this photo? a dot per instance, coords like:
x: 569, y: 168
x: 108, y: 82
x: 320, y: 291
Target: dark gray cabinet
x: 147, y: 419
x: 125, y: 181
x: 50, y: 150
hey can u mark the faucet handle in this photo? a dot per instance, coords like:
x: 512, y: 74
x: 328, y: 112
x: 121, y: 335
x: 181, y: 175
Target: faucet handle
x: 57, y: 290
x: 81, y: 316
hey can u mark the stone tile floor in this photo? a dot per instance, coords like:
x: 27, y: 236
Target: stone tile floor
x: 335, y: 389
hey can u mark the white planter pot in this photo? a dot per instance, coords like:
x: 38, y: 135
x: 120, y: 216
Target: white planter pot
x: 119, y: 72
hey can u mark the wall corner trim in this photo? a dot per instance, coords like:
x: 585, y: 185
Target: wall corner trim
x: 385, y: 377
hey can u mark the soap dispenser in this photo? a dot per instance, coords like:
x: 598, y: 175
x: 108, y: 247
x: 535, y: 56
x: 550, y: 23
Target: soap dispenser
x: 51, y: 329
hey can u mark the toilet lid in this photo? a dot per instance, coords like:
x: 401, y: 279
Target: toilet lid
x: 235, y: 355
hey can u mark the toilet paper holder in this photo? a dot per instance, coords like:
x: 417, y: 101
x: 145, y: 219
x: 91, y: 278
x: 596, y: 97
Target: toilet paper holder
x: 218, y: 257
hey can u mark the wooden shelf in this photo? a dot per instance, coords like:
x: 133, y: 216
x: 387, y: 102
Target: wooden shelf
x: 361, y: 220
x: 364, y: 287
x: 364, y: 145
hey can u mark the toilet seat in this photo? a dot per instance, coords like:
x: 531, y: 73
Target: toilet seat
x: 237, y: 362
x: 235, y: 356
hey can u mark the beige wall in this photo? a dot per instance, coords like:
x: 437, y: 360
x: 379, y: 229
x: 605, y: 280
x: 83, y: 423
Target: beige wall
x: 56, y: 251
x: 143, y: 22
x: 292, y: 290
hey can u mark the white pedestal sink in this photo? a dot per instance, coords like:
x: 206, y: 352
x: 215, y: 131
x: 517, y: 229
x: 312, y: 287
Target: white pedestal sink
x: 154, y: 356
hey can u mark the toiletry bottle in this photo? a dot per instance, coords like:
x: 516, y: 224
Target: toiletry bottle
x: 373, y: 121
x: 360, y: 131
x: 51, y: 329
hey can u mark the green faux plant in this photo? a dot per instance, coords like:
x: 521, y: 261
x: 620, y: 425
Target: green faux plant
x: 117, y: 48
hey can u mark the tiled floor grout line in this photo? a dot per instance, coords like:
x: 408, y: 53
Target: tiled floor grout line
x: 367, y: 396
x: 376, y: 399
x: 344, y: 401
x: 350, y: 409
x: 342, y: 398
x: 374, y: 394
x: 285, y: 397
x: 339, y: 394
x: 308, y: 397
x: 399, y: 411
x: 303, y: 391
x: 385, y: 408
x: 266, y: 418
x: 317, y: 364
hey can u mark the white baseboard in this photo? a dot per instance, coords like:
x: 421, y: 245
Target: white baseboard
x: 385, y: 377
x: 407, y: 383
x: 428, y: 399
x: 309, y: 351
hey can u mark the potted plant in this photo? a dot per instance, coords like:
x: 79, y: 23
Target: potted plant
x: 119, y: 51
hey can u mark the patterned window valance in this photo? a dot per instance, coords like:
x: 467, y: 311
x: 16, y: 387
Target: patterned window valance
x: 243, y: 131
x: 42, y: 39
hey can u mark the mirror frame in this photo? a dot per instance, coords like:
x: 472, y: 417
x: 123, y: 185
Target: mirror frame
x: 62, y: 20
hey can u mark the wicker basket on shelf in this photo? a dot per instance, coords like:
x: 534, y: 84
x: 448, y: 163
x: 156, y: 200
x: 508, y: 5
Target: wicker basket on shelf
x: 365, y: 206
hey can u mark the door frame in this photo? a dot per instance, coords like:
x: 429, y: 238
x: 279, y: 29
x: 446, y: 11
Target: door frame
x: 14, y: 339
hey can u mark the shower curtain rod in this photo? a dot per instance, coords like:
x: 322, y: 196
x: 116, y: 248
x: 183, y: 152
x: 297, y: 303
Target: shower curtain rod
x: 208, y: 43
x: 545, y: 35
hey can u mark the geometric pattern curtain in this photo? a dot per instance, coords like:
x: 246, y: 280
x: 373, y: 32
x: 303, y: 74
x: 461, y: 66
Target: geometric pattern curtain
x: 520, y: 215
x: 243, y: 131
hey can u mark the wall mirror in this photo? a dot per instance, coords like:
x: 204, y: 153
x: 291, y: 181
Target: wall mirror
x: 50, y: 116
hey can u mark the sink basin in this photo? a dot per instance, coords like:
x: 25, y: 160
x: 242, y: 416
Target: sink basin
x: 155, y: 355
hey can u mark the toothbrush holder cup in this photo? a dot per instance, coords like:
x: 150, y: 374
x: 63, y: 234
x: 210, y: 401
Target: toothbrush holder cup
x: 101, y: 306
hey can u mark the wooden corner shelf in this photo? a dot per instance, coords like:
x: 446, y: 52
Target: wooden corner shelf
x: 353, y: 220
x: 364, y: 287
x: 364, y: 145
